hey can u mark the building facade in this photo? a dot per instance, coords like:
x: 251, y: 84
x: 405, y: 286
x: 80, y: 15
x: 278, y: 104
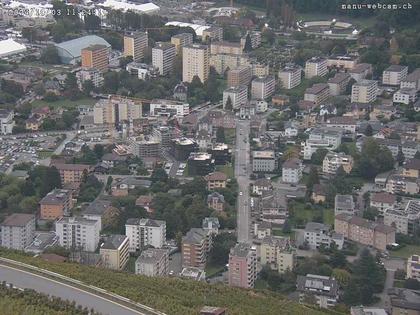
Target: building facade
x: 163, y: 57
x: 78, y: 233
x: 242, y: 266
x: 144, y: 232
x: 17, y: 231
x: 195, y: 62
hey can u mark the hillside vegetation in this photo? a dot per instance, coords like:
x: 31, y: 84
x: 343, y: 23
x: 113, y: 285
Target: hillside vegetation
x: 171, y: 295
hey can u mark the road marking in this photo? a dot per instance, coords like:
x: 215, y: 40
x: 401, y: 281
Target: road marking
x: 73, y: 287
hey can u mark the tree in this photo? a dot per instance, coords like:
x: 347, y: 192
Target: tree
x: 92, y: 22
x: 248, y: 43
x: 99, y: 151
x: 318, y: 156
x: 159, y: 175
x: 400, y: 157
x: 108, y: 184
x: 50, y: 55
x: 220, y: 135
x: 229, y: 105
x: 88, y: 87
x: 313, y: 178
x: 219, y: 254
x: 368, y: 131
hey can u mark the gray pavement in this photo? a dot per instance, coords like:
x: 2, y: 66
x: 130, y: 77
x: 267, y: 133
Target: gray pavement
x: 242, y: 171
x: 23, y: 279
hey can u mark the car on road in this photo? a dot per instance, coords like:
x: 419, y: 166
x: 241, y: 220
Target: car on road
x: 240, y: 193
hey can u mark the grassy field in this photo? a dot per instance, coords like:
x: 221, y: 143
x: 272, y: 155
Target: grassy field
x: 230, y: 135
x: 175, y: 296
x: 328, y: 216
x: 227, y: 169
x: 213, y: 270
x: 45, y: 154
x: 406, y: 251
x: 65, y: 103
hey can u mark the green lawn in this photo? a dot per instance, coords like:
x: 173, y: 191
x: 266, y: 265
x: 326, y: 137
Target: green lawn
x: 211, y: 270
x: 65, y: 103
x: 328, y: 216
x: 302, y: 213
x: 131, y: 264
x: 279, y: 232
x: 406, y: 251
x: 227, y: 169
x: 45, y: 154
x: 261, y: 284
x: 230, y: 135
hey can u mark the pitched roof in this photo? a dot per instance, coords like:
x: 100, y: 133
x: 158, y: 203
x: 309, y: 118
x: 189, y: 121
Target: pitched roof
x: 383, y: 197
x: 216, y: 176
x: 114, y: 241
x: 18, y: 219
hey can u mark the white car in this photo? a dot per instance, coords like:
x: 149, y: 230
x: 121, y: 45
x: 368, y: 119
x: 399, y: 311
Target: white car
x: 240, y: 193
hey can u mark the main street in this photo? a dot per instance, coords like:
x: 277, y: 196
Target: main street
x: 242, y: 171
x: 26, y: 280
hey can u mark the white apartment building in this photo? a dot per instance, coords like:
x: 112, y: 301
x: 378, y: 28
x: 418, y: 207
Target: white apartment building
x: 195, y: 62
x: 143, y: 232
x: 344, y: 204
x: 277, y: 253
x: 364, y: 91
x: 290, y: 76
x: 333, y: 161
x: 255, y: 39
x: 262, y: 88
x: 142, y: 70
x: 321, y: 138
x: 324, y: 289
x: 78, y: 233
x: 292, y: 171
x: 116, y: 109
x: 394, y: 74
x: 412, y: 81
x: 405, y: 219
x: 153, y: 262
x: 264, y: 161
x: 413, y: 267
x: 345, y: 62
x: 315, y: 66
x: 135, y: 45
x: 261, y: 106
x: 160, y: 107
x: 91, y: 74
x: 163, y: 57
x: 318, y: 234
x: 17, y: 231
x: 6, y: 121
x: 238, y: 96
x: 405, y: 96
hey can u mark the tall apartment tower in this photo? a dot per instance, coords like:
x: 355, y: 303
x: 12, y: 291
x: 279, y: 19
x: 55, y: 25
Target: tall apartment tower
x: 242, y: 266
x: 181, y: 40
x: 135, y: 45
x: 95, y: 57
x: 163, y: 57
x: 195, y: 62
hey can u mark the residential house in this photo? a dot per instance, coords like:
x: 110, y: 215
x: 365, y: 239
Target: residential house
x: 216, y: 180
x: 344, y: 204
x: 292, y: 171
x: 260, y: 185
x: 318, y: 234
x: 382, y: 201
x: 153, y: 262
x: 413, y: 267
x: 216, y: 201
x: 333, y: 161
x: 277, y: 253
x: 324, y: 290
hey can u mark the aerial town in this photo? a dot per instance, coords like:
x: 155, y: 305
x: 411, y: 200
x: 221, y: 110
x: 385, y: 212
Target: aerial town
x: 216, y: 157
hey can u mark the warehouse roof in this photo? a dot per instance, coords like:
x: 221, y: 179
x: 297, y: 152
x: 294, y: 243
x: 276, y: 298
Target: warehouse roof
x: 9, y: 47
x: 74, y: 47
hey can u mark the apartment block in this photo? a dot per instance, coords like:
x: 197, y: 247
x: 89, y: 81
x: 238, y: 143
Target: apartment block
x: 145, y: 147
x: 114, y: 252
x: 92, y: 74
x: 412, y: 81
x: 145, y: 232
x: 318, y: 234
x: 316, y: 67
x: 78, y: 233
x: 224, y: 47
x: 413, y: 267
x: 264, y: 161
x: 361, y: 71
x: 238, y: 96
x: 56, y: 204
x: 382, y: 201
x: 292, y: 171
x: 200, y: 164
x: 344, y: 204
x: 321, y: 138
x: 196, y: 245
x: 405, y: 96
x: 333, y: 161
x: 195, y: 62
x: 213, y: 33
x: 397, y: 183
x: 318, y: 93
x: 406, y: 219
x: 242, y: 266
x: 72, y: 173
x: 324, y: 289
x: 142, y: 70
x: 346, y: 123
x: 153, y: 262
x: 263, y: 87
x: 345, y: 62
x: 181, y: 40
x: 239, y: 76
x: 290, y: 76
x: 116, y: 109
x: 394, y: 74
x: 338, y: 83
x: 17, y: 231
x: 163, y: 57
x: 411, y: 168
x: 216, y: 180
x: 364, y: 91
x: 223, y: 62
x: 364, y: 231
x: 96, y: 57
x: 6, y: 121
x: 278, y: 253
x: 135, y: 45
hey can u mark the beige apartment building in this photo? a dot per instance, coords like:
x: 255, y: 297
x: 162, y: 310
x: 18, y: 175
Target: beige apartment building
x: 72, y: 173
x: 153, y: 262
x: 413, y: 267
x: 224, y: 47
x: 338, y: 83
x: 333, y: 161
x: 360, y: 71
x: 95, y: 57
x: 196, y: 245
x: 163, y: 57
x: 364, y: 91
x: 213, y: 33
x: 364, y: 231
x: 116, y: 109
x: 316, y: 67
x: 263, y: 87
x: 114, y: 252
x: 318, y: 93
x: 290, y: 76
x: 342, y: 62
x: 239, y: 76
x: 195, y: 62
x: 277, y: 253
x: 394, y: 74
x: 181, y: 40
x: 216, y: 180
x: 135, y: 45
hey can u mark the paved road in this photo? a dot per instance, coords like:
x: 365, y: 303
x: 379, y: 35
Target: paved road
x: 23, y: 279
x: 242, y: 171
